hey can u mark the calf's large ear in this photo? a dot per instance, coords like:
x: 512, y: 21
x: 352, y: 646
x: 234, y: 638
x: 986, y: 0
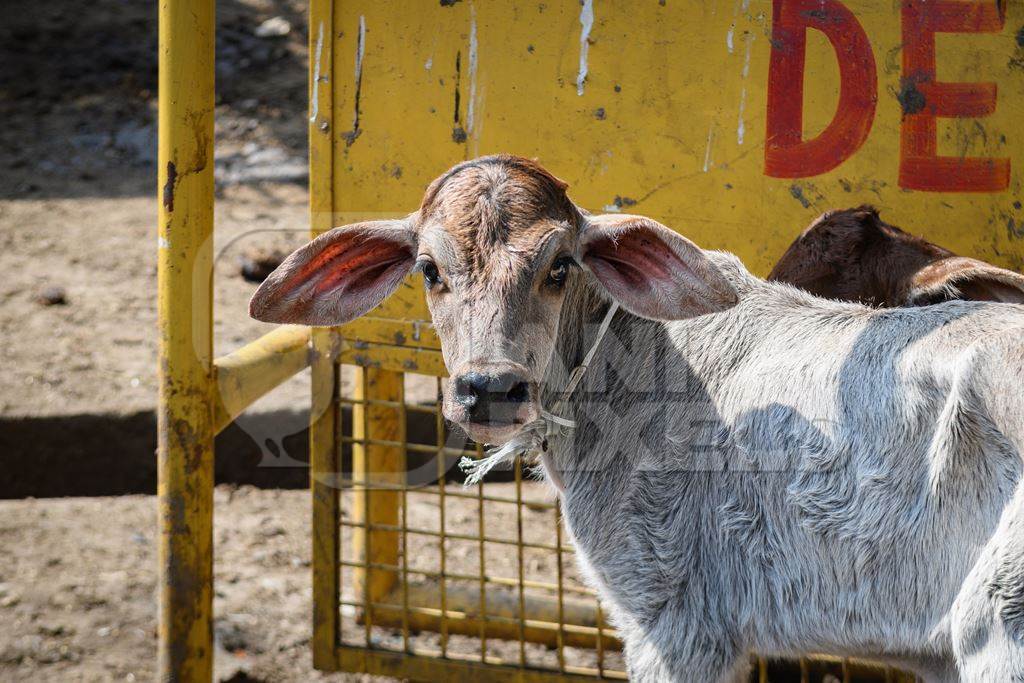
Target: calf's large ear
x: 652, y: 271
x: 338, y: 276
x: 958, y: 277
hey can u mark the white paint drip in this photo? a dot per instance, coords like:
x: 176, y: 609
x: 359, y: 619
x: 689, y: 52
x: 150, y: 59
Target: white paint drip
x: 429, y: 64
x: 360, y: 47
x: 360, y: 51
x: 162, y: 242
x: 586, y: 24
x: 740, y: 125
x: 472, y: 70
x: 613, y: 208
x: 314, y: 106
x: 749, y: 38
x: 707, y: 151
x: 728, y: 37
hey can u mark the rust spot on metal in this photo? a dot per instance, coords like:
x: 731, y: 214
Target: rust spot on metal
x: 172, y: 178
x: 410, y: 364
x: 599, y: 114
x: 621, y: 202
x: 458, y: 132
x: 399, y: 338
x: 1014, y: 229
x: 449, y: 3
x: 798, y: 194
x: 350, y: 136
x: 911, y: 99
x: 819, y: 14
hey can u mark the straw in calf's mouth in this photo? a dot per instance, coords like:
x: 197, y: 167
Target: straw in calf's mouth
x: 533, y: 438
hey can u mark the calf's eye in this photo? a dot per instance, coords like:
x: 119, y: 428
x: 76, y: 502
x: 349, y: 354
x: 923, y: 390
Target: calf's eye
x: 431, y: 276
x: 560, y: 271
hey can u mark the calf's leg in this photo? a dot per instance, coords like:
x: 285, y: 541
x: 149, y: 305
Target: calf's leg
x: 646, y: 662
x: 988, y: 614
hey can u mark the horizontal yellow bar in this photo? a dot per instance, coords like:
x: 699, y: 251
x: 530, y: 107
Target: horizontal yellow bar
x: 410, y: 333
x: 428, y: 408
x: 457, y: 576
x: 426, y: 665
x: 455, y: 536
x: 579, y: 624
x: 455, y: 493
x: 395, y: 358
x: 245, y: 375
x: 408, y: 445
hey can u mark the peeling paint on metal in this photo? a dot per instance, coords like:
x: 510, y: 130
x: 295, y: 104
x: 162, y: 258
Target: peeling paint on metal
x: 458, y: 132
x: 741, y: 127
x: 707, y: 150
x: 798, y: 194
x: 429, y: 64
x: 728, y: 37
x: 586, y: 24
x: 314, y: 105
x: 749, y: 39
x: 162, y: 242
x: 172, y: 178
x: 351, y: 136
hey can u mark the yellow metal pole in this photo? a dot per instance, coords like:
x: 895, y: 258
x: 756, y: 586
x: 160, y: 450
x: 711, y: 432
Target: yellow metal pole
x: 185, y: 429
x: 375, y: 464
x: 325, y: 477
x: 324, y: 447
x: 250, y: 372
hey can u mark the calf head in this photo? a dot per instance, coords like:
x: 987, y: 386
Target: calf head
x: 499, y: 244
x: 855, y: 256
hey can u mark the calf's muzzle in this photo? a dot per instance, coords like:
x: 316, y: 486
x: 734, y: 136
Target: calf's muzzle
x: 491, y: 397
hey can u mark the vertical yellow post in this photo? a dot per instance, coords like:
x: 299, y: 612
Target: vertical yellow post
x: 185, y: 429
x: 376, y: 464
x: 325, y: 480
x: 324, y: 452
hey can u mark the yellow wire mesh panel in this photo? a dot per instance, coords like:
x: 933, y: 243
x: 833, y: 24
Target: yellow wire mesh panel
x: 434, y: 569
x: 436, y: 581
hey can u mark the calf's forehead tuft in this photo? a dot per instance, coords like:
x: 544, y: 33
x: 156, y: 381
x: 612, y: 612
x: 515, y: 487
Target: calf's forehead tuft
x: 498, y: 200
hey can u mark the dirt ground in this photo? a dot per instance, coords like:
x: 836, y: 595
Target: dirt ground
x: 78, y: 188
x: 78, y: 583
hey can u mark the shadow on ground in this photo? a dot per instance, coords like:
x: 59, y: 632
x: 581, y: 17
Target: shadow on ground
x: 110, y: 454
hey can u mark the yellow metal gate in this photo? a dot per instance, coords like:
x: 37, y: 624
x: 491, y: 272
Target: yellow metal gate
x: 733, y: 121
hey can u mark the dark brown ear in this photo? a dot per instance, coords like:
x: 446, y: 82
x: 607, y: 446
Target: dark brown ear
x: 958, y: 277
x: 828, y: 251
x: 652, y: 271
x: 338, y: 276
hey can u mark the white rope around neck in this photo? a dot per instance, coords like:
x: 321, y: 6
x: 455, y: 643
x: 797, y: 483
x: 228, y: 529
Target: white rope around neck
x: 533, y: 438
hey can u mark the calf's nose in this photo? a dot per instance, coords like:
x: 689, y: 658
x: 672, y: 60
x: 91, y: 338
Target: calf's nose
x: 491, y: 398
